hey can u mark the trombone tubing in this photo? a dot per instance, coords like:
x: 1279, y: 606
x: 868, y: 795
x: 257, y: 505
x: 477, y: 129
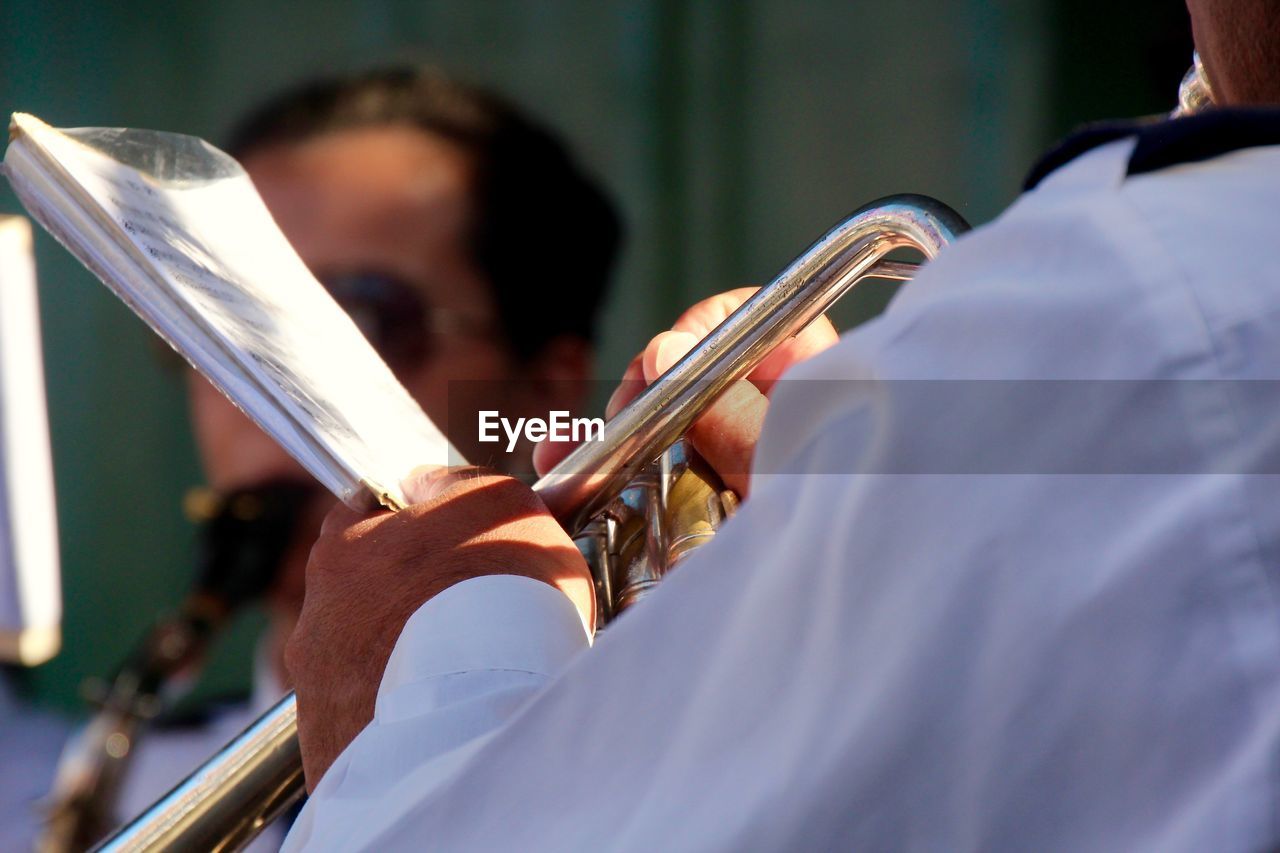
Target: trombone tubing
x: 596, y: 472
x: 258, y: 774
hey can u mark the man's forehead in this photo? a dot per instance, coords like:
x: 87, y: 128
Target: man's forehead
x: 394, y: 156
x: 394, y: 179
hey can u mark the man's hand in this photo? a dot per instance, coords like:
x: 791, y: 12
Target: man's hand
x: 368, y: 574
x: 726, y: 433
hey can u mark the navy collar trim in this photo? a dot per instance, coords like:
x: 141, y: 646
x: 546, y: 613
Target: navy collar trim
x: 1164, y: 142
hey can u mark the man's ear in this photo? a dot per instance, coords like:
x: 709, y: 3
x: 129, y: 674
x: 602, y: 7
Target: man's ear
x: 559, y: 376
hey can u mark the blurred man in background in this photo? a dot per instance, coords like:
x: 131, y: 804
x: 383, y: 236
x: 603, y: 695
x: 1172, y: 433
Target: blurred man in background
x: 473, y: 252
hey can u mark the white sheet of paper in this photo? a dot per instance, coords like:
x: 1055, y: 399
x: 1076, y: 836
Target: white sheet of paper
x: 177, y: 230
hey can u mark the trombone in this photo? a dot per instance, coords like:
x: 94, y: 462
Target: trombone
x: 251, y: 781
x: 635, y: 503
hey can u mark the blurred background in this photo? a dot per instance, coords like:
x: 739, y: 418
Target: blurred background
x: 731, y: 134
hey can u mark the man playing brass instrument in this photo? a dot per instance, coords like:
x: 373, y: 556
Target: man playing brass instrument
x: 1030, y: 602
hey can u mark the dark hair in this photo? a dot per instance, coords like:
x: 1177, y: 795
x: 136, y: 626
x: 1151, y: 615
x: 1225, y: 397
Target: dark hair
x: 546, y: 237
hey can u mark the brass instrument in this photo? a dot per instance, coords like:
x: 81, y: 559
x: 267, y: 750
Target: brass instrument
x: 636, y: 502
x: 638, y: 517
x: 242, y: 540
x: 634, y: 518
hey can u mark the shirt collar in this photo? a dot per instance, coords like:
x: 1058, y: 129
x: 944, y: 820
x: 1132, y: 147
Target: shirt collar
x: 1163, y: 142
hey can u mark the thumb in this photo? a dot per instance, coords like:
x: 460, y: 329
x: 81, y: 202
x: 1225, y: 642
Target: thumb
x: 427, y: 481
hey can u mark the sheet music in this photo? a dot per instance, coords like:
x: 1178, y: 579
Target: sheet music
x: 30, y: 589
x: 197, y: 254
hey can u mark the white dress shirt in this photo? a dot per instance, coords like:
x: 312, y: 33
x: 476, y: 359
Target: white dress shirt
x: 1034, y: 606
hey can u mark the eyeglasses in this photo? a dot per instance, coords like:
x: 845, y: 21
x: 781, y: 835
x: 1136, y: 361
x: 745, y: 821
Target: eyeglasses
x: 394, y: 317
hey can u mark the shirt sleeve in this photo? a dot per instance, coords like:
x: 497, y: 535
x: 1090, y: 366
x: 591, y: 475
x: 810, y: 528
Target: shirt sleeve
x: 480, y: 632
x: 464, y: 663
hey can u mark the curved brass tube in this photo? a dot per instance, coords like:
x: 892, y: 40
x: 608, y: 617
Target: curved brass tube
x: 596, y: 472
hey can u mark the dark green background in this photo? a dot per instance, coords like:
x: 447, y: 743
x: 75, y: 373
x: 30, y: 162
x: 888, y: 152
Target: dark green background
x: 732, y: 133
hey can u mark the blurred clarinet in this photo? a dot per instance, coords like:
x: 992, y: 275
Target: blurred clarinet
x: 242, y: 541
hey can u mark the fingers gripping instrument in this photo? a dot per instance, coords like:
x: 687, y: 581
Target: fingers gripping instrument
x: 639, y: 500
